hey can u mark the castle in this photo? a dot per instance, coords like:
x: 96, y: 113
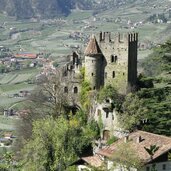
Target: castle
x: 107, y: 61
x: 112, y: 60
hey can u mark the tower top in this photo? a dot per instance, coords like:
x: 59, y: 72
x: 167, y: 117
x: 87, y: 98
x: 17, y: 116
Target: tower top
x: 92, y: 47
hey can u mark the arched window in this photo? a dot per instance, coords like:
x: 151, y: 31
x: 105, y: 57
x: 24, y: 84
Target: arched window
x: 75, y: 90
x: 65, y: 89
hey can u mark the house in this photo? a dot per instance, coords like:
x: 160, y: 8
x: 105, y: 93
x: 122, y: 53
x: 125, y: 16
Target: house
x: 85, y: 163
x: 138, y: 141
x: 8, y: 135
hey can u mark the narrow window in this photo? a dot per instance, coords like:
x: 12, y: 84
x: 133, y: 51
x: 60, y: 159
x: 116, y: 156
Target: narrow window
x: 75, y: 90
x: 113, y: 74
x: 107, y: 114
x: 112, y: 117
x: 92, y: 74
x: 112, y: 58
x: 123, y: 73
x: 65, y: 89
x: 94, y: 88
x: 116, y: 58
x: 164, y: 167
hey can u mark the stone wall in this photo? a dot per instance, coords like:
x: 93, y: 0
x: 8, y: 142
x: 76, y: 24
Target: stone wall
x: 120, y: 54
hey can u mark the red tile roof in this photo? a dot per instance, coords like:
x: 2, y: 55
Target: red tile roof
x: 147, y: 139
x: 26, y: 55
x: 92, y: 47
x: 93, y: 160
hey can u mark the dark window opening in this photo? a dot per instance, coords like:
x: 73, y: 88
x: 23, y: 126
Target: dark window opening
x: 164, y: 167
x: 75, y: 90
x: 114, y: 58
x: 107, y: 114
x: 92, y: 74
x: 94, y: 88
x: 113, y: 74
x: 65, y: 89
x: 123, y: 73
x: 107, y: 101
x: 112, y: 117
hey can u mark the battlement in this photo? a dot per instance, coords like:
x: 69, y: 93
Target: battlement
x: 133, y: 37
x: 106, y: 37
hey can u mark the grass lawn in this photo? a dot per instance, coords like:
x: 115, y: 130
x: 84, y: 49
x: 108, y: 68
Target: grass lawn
x: 7, y: 123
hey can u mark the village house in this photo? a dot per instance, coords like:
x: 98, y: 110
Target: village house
x: 138, y: 141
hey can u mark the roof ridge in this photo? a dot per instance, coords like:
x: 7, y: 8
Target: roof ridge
x: 151, y: 134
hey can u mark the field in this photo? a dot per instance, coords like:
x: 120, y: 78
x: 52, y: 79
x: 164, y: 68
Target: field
x: 14, y: 82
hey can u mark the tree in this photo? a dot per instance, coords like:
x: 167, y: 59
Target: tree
x: 126, y: 157
x: 109, y: 92
x: 56, y: 143
x: 106, y: 93
x: 157, y: 101
x: 49, y: 148
x: 151, y: 151
x: 133, y: 111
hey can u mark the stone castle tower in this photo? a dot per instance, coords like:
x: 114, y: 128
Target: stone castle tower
x: 94, y: 64
x: 112, y: 60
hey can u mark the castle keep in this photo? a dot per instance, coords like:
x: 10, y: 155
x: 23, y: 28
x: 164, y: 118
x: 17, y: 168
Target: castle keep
x: 112, y: 60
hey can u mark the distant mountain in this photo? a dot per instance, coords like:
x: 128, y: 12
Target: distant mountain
x: 25, y: 9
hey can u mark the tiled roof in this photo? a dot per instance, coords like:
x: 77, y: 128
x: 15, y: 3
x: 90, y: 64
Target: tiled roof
x: 92, y: 47
x: 93, y: 160
x: 146, y: 140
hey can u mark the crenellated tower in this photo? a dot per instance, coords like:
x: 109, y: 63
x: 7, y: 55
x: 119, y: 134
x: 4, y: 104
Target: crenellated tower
x: 120, y: 52
x: 112, y: 60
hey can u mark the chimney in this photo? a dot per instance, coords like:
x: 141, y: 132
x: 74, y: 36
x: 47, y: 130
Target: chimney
x: 126, y: 138
x: 139, y: 139
x: 100, y: 36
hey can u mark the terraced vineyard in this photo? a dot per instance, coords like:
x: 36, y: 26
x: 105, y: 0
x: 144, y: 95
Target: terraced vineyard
x: 12, y: 83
